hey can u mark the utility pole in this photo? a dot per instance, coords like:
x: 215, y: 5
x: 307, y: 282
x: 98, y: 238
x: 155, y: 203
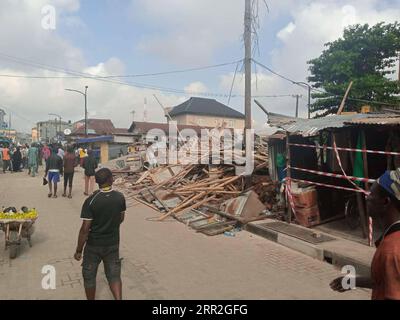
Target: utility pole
x: 309, y: 97
x: 399, y: 69
x: 9, y: 125
x: 86, y: 113
x: 247, y: 63
x: 297, y: 96
x: 248, y: 23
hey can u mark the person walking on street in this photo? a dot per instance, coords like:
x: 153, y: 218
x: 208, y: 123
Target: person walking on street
x: 40, y: 155
x: 70, y: 162
x: 1, y: 156
x: 99, y: 236
x: 82, y: 156
x: 54, y: 169
x: 61, y: 152
x: 17, y: 160
x: 24, y: 153
x: 46, y: 153
x: 90, y: 166
x: 33, y: 155
x: 384, y: 207
x: 6, y: 159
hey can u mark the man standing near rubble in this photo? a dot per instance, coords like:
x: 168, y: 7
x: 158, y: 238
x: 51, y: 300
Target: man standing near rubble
x: 384, y: 207
x: 102, y: 214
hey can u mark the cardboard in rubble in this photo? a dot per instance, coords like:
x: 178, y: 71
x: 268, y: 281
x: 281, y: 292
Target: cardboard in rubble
x: 247, y: 206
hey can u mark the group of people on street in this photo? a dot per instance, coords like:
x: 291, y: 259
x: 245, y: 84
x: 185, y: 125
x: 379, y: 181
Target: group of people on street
x: 19, y: 158
x: 14, y: 159
x: 60, y: 163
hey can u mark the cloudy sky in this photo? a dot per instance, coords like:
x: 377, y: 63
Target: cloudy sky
x: 128, y: 37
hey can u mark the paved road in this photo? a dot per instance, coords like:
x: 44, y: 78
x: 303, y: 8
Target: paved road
x: 161, y: 260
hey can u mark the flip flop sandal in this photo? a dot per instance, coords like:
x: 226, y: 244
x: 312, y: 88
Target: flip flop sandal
x: 50, y: 195
x: 55, y: 197
x: 69, y: 197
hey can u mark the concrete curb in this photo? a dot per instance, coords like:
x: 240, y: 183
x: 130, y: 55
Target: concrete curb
x: 311, y: 250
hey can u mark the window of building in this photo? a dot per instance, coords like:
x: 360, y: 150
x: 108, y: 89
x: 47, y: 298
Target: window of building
x: 200, y: 122
x: 231, y: 123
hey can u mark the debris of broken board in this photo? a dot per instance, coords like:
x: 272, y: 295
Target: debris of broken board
x: 207, y: 222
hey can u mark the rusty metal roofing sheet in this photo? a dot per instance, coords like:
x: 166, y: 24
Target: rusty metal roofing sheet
x: 393, y: 120
x: 311, y: 127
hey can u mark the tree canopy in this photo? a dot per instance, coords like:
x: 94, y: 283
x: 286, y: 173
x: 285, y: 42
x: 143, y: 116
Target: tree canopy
x: 365, y: 55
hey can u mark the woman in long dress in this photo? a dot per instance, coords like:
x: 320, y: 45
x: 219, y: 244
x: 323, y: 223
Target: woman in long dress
x: 17, y: 160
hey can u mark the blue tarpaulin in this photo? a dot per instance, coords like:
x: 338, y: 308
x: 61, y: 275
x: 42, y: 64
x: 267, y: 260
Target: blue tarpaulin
x: 95, y: 139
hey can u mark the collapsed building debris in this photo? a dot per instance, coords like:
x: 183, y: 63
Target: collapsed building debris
x: 211, y: 199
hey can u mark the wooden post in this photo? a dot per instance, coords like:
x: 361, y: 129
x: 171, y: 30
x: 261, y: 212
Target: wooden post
x: 342, y: 105
x: 288, y: 175
x: 366, y: 175
x: 361, y: 209
x: 365, y: 158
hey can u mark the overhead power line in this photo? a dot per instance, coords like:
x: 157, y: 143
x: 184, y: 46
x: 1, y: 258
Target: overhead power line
x: 82, y: 75
x: 322, y: 91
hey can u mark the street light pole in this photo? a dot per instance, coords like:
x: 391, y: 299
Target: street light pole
x: 86, y: 113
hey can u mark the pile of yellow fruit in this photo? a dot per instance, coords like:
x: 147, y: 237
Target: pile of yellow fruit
x: 30, y: 215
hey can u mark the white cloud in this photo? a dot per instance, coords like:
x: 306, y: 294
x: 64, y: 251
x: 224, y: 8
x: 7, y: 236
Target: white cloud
x: 196, y: 87
x: 181, y: 32
x: 287, y: 31
x: 190, y: 31
x: 31, y: 100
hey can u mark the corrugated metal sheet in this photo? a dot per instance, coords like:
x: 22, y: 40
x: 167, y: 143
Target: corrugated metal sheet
x: 311, y: 127
x: 395, y: 121
x: 277, y: 136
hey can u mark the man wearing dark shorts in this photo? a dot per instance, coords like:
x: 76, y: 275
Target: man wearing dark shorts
x: 102, y: 214
x: 70, y: 162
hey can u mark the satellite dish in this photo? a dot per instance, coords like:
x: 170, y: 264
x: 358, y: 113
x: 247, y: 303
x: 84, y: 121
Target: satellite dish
x: 67, y: 132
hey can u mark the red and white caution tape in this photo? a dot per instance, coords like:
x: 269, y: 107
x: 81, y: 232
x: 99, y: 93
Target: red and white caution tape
x: 344, y: 172
x: 345, y: 149
x: 334, y: 175
x: 329, y: 186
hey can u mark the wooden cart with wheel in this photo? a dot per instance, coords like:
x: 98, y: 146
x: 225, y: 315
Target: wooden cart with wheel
x: 15, y: 231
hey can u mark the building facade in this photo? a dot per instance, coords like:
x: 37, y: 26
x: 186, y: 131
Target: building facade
x: 3, y: 123
x: 9, y: 133
x: 35, y: 134
x: 51, y: 130
x: 207, y: 113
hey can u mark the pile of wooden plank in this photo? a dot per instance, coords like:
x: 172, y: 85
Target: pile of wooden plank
x: 176, y: 190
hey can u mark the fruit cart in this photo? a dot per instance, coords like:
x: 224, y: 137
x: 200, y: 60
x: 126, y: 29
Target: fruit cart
x: 17, y: 226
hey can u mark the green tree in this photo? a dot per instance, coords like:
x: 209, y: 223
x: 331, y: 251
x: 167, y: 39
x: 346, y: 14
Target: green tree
x: 365, y: 55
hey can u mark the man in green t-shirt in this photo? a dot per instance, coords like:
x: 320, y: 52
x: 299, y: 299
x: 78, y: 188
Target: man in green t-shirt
x: 102, y: 214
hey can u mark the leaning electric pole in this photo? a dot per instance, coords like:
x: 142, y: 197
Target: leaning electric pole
x: 247, y: 63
